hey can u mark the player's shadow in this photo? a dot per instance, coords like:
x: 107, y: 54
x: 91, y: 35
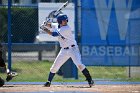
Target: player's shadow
x: 78, y: 87
x: 9, y: 86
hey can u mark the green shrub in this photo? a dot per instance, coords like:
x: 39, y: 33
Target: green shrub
x: 24, y: 24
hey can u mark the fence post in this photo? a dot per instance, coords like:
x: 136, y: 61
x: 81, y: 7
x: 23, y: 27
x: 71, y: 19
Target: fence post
x: 9, y: 34
x: 40, y: 55
x: 75, y: 71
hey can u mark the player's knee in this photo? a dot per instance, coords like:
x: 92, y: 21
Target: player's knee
x: 81, y: 67
x: 53, y: 70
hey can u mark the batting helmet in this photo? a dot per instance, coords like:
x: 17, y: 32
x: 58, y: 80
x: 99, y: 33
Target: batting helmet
x: 61, y: 17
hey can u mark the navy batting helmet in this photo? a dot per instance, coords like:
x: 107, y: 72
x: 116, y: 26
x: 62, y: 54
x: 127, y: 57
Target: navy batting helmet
x: 61, y: 17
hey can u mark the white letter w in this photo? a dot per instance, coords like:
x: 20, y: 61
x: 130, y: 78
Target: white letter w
x: 103, y: 11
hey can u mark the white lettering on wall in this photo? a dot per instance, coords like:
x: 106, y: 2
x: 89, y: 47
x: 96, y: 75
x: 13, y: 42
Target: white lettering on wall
x: 110, y: 51
x: 103, y: 11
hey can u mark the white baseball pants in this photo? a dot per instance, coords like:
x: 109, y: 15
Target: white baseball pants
x: 64, y: 55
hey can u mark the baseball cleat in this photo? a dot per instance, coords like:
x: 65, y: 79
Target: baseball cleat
x: 47, y: 84
x: 91, y: 83
x: 10, y: 75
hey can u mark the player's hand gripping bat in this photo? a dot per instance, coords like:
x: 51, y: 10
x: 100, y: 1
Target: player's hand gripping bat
x: 53, y: 15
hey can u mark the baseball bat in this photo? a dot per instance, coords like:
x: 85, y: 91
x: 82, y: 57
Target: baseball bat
x: 55, y: 14
x: 59, y: 9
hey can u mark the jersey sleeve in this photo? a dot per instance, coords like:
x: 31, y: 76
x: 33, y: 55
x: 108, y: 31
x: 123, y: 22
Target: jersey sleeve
x: 65, y: 31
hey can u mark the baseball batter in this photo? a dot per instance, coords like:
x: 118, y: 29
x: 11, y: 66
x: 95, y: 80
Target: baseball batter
x: 69, y: 49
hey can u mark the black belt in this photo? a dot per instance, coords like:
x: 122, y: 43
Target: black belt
x: 68, y: 47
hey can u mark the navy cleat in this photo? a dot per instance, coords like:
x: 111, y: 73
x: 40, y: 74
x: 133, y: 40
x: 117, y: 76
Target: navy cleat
x: 91, y: 83
x: 47, y: 84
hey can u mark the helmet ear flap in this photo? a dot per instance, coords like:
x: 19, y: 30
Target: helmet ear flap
x: 59, y: 21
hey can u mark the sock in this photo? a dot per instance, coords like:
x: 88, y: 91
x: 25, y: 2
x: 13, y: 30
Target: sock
x: 87, y: 74
x: 51, y: 75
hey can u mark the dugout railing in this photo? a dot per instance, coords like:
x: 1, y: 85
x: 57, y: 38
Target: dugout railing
x: 29, y: 47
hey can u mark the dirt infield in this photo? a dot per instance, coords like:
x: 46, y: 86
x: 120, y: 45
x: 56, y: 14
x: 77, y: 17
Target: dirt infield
x: 71, y: 89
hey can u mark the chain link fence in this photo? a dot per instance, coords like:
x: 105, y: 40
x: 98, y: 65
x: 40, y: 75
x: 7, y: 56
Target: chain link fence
x: 26, y: 52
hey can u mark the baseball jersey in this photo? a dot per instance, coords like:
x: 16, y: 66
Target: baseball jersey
x: 65, y: 36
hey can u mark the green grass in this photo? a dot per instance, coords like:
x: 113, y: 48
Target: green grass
x: 37, y: 71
